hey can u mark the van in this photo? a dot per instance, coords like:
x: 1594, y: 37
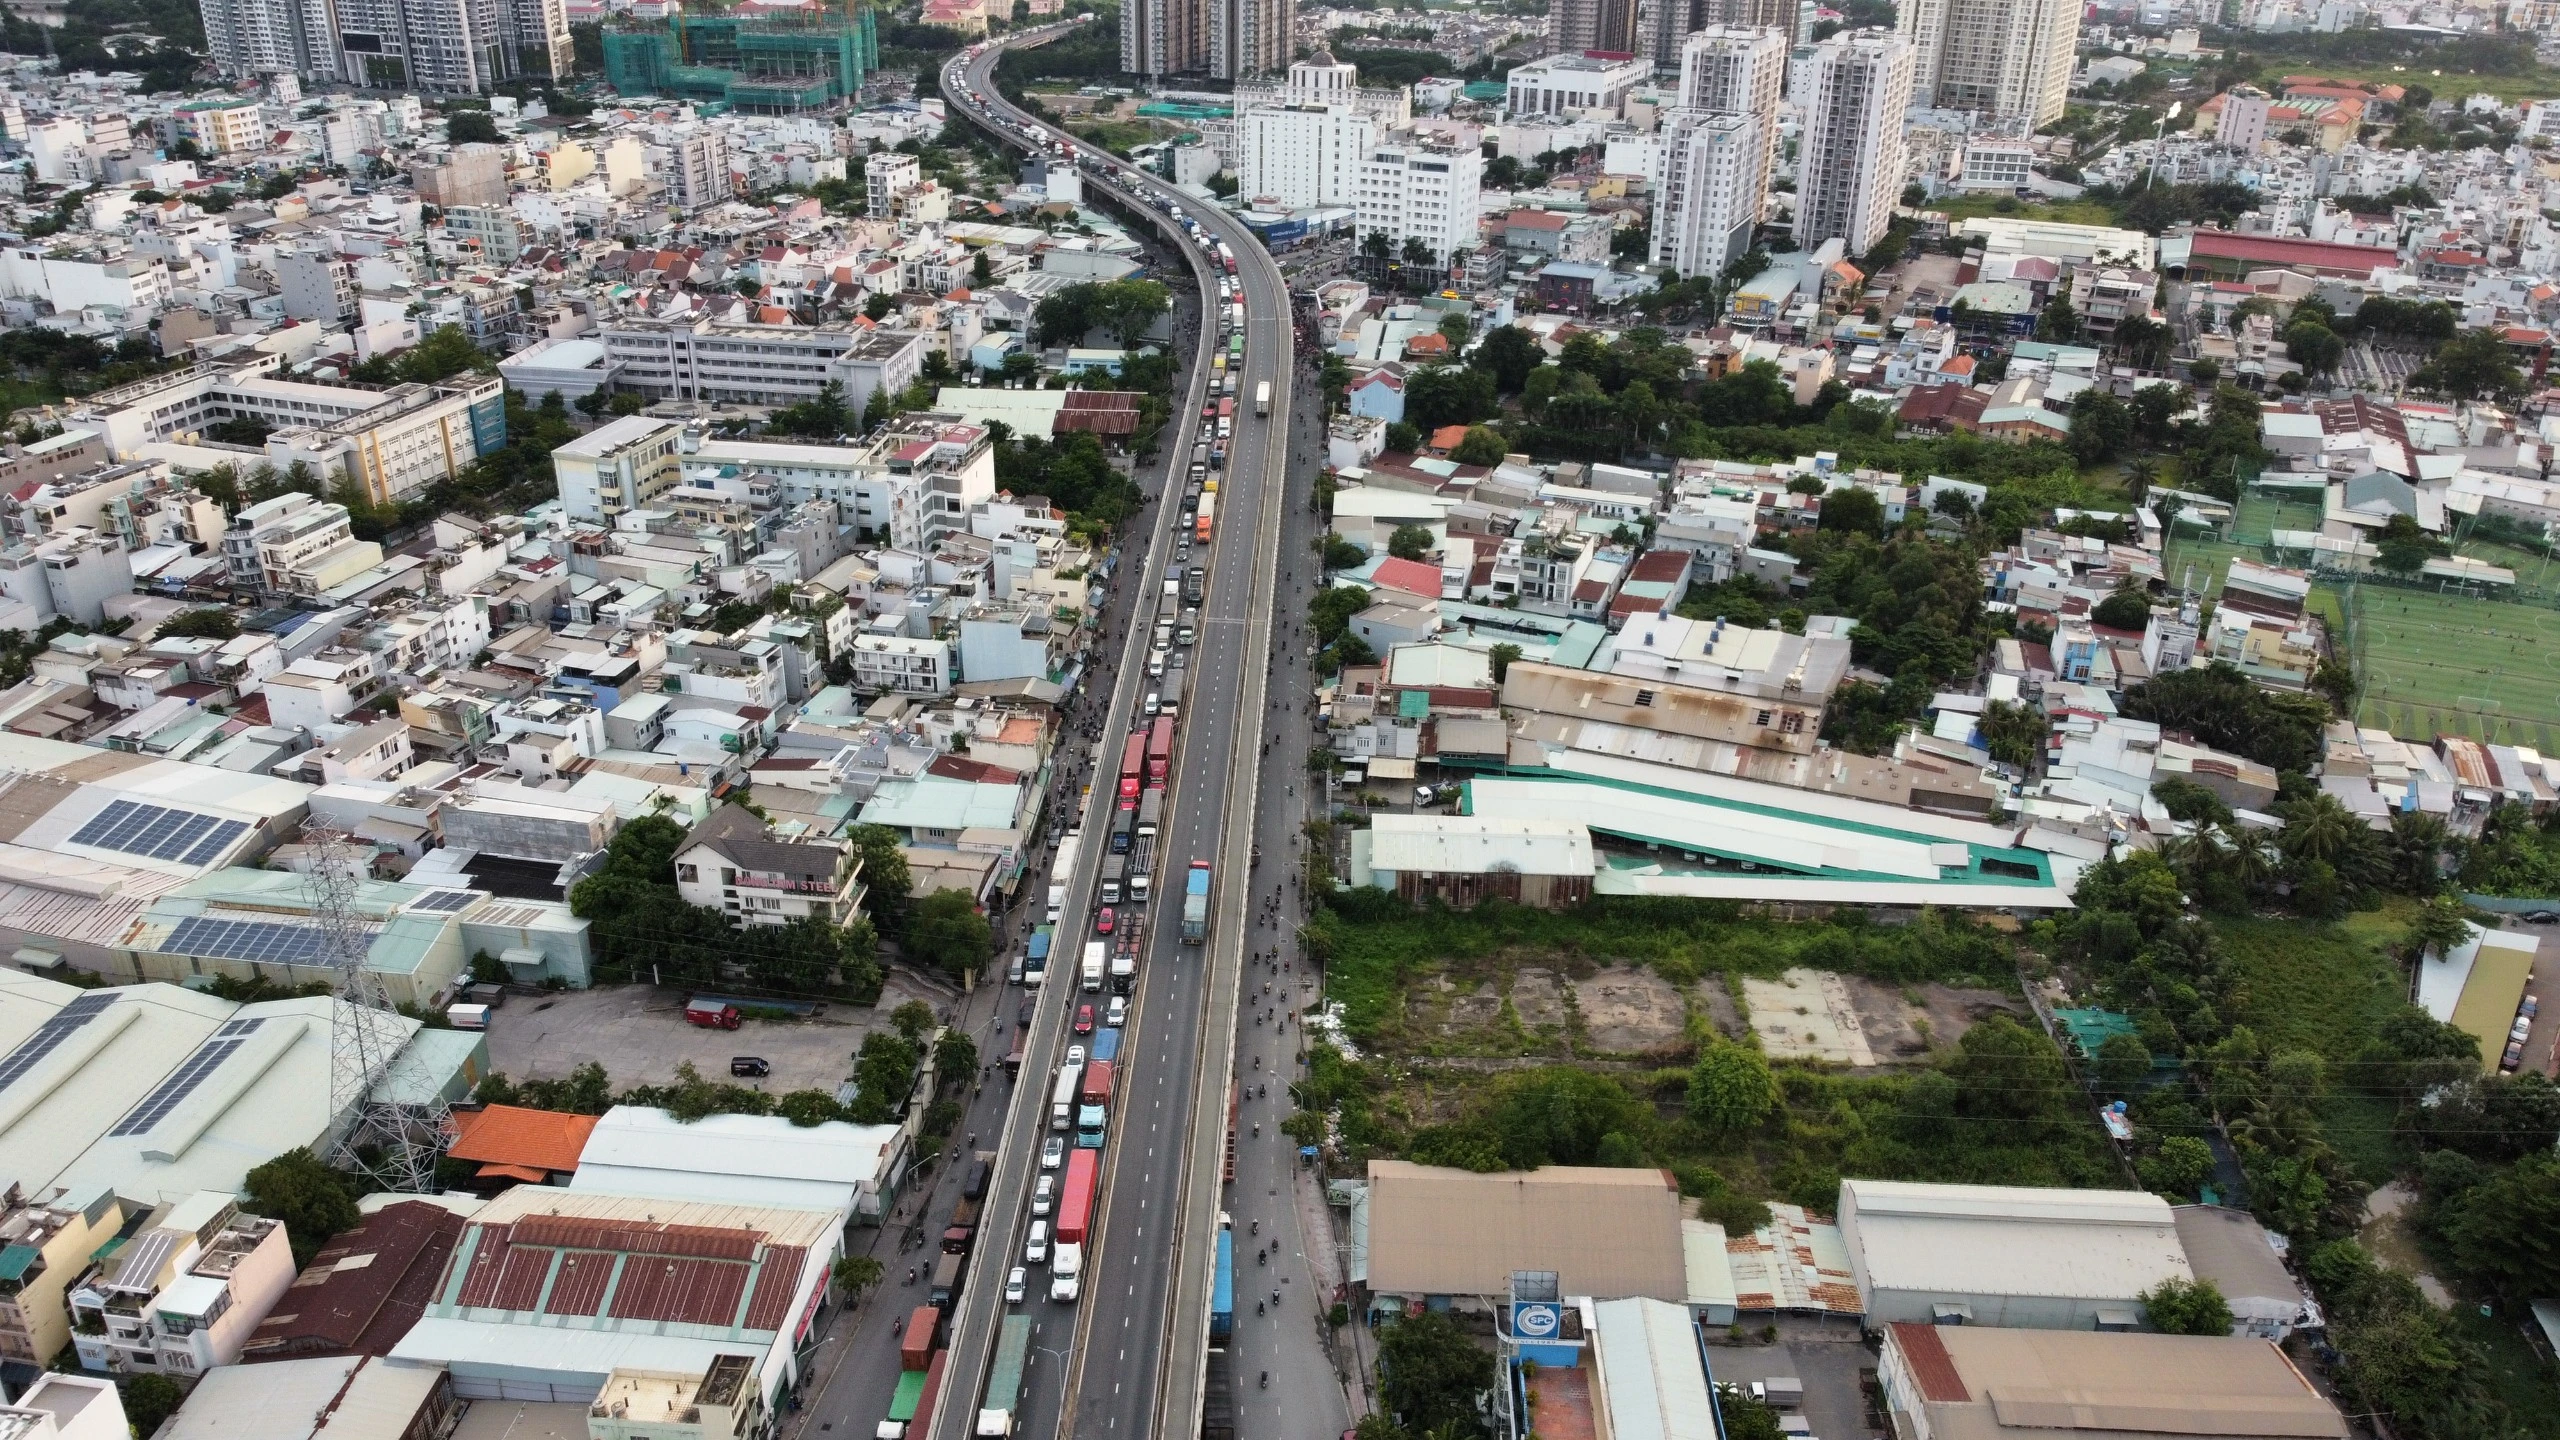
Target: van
x: 1164, y: 634
x: 711, y: 1014
x: 749, y: 1067
x: 1036, y: 1249
x: 1152, y: 700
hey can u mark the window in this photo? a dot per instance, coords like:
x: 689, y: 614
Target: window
x: 687, y: 874
x: 1793, y: 724
x: 1763, y: 717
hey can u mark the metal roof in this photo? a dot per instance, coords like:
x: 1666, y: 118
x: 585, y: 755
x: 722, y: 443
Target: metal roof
x: 1960, y: 1240
x: 1652, y: 1373
x: 1606, y: 1232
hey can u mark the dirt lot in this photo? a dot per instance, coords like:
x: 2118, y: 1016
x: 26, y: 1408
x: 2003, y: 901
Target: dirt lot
x: 638, y: 1034
x: 1861, y: 1023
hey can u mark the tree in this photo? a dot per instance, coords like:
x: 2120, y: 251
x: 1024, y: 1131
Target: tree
x: 1403, y: 439
x: 1409, y: 542
x: 2438, y: 927
x: 149, y: 1401
x: 2122, y: 1063
x: 1430, y: 1373
x: 314, y: 1201
x: 2007, y: 1071
x: 948, y: 933
x: 207, y: 624
x: 2101, y: 426
x: 1502, y: 655
x: 1731, y: 1089
x: 884, y: 877
x: 1508, y: 353
x: 955, y: 1055
x: 2186, y: 1307
x: 2014, y: 734
x: 2178, y: 1167
x: 857, y: 1273
x: 471, y: 127
x: 913, y: 1021
x: 2314, y: 347
x: 2125, y: 609
x: 806, y: 1108
x: 1745, y: 1418
x: 1483, y: 445
x: 2473, y: 364
x: 2058, y: 322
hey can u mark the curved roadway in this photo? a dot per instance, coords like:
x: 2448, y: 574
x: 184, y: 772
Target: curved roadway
x: 1128, y: 1359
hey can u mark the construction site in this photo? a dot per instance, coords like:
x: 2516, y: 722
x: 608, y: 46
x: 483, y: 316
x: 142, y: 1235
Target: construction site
x: 764, y: 66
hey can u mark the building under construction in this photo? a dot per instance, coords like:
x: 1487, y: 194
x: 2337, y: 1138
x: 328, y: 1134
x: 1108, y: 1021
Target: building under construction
x: 771, y: 66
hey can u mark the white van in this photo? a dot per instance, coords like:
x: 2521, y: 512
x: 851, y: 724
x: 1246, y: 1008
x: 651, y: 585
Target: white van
x: 1036, y: 1250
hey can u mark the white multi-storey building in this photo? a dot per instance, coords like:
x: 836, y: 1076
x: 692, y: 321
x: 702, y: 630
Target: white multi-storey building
x: 1712, y: 187
x: 624, y: 465
x: 450, y: 47
x: 1849, y: 159
x: 885, y: 177
x: 761, y: 364
x: 1301, y: 155
x: 1999, y: 57
x: 1412, y: 188
x: 698, y: 170
x: 1320, y: 79
x: 1573, y: 83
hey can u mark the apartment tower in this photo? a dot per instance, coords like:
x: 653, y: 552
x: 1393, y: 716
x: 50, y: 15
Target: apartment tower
x: 1667, y: 24
x: 1719, y: 148
x: 450, y: 47
x: 252, y: 39
x: 1849, y: 159
x: 1606, y: 25
x: 2001, y: 58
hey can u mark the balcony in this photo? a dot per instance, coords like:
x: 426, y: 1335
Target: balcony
x: 746, y: 881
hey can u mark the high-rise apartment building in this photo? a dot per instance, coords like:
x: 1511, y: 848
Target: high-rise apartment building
x: 1849, y: 158
x: 1666, y: 24
x: 1249, y: 37
x: 450, y: 47
x: 1999, y: 57
x: 1580, y: 25
x: 248, y: 39
x: 1164, y: 37
x: 1719, y: 148
x: 1413, y: 188
x: 698, y: 170
x: 1305, y: 146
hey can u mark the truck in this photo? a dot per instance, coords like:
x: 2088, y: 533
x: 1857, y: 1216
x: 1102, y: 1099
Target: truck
x: 946, y: 1280
x: 1142, y: 850
x: 1004, y: 1381
x: 1093, y: 961
x: 1062, y: 1096
x: 1093, y: 1113
x: 1013, y: 1057
x: 962, y: 1232
x: 711, y: 1014
x: 1075, y: 1197
x: 934, y: 1376
x: 1115, y: 868
x: 1066, y: 1265
x: 1195, y: 903
x: 1106, y: 1043
x: 1063, y: 869
x: 1124, y: 959
x: 1262, y: 398
x: 1207, y: 520
x: 904, y: 1403
x: 920, y: 1339
x: 1195, y: 581
x: 1124, y: 825
x: 1222, y: 1289
x: 1035, y: 957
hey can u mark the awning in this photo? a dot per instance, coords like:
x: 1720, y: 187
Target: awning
x: 1949, y: 1312
x: 31, y: 958
x: 523, y: 957
x: 1389, y: 767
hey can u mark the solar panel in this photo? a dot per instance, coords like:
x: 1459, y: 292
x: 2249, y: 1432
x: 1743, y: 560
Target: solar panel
x: 182, y: 1082
x: 159, y: 832
x: 50, y: 1035
x: 255, y: 940
x: 447, y: 901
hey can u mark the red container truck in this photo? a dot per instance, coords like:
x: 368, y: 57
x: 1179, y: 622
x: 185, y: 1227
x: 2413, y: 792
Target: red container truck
x: 1159, y: 752
x: 1075, y: 1197
x: 915, y: 1344
x: 1133, y: 769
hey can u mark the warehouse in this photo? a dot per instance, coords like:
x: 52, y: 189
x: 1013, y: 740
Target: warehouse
x: 1461, y: 860
x: 2230, y: 1248
x: 1960, y: 1383
x: 758, y: 1159
x: 2007, y: 1255
x: 1441, y: 1234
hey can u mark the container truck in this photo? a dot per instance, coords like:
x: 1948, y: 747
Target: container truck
x: 1195, y: 903
x: 1062, y: 1096
x: 902, y: 1405
x: 935, y: 1375
x: 1093, y: 1113
x: 711, y: 1014
x: 962, y: 1232
x: 1013, y: 1057
x: 1124, y: 960
x: 1262, y: 398
x: 1124, y: 825
x: 1035, y: 959
x: 1207, y: 520
x: 918, y: 1341
x: 1115, y: 869
x: 1066, y: 1266
x: 1133, y: 769
x: 1075, y: 1197
x: 1004, y: 1381
x: 1222, y: 1290
x: 946, y: 1280
x: 1106, y: 1043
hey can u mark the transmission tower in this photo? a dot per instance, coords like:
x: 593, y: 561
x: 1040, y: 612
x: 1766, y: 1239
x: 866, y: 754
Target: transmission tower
x: 394, y: 1144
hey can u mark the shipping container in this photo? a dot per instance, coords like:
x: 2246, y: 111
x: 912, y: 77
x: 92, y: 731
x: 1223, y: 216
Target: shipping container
x: 1195, y: 903
x: 923, y: 1335
x: 467, y: 1017
x: 1075, y: 1197
x: 1208, y: 517
x: 1106, y: 1044
x: 1133, y: 769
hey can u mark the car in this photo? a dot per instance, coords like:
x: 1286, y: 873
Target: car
x: 1016, y: 1282
x: 1116, y: 1014
x: 2522, y: 1028
x: 1053, y: 1152
x: 1075, y: 1054
x: 1104, y: 919
x: 2532, y: 1006
x: 1084, y: 1019
x: 1154, y: 699
x: 1035, y: 1251
x: 750, y: 1067
x: 2513, y: 1057
x: 1044, y: 1194
x: 1421, y: 796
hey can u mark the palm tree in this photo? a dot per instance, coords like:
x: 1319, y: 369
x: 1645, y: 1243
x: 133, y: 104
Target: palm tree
x: 2139, y: 477
x: 1417, y: 253
x: 2320, y: 829
x: 2252, y: 860
x: 1375, y: 246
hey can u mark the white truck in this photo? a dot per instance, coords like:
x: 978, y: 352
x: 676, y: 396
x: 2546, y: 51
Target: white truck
x: 1062, y: 1100
x: 1094, y: 955
x: 1066, y: 1269
x: 1062, y: 871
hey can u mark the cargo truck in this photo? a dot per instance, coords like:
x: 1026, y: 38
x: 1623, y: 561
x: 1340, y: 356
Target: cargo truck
x: 1035, y: 959
x: 946, y: 1280
x: 1004, y: 1380
x: 1124, y: 959
x: 1222, y: 1289
x: 1093, y: 1113
x: 1207, y: 520
x: 920, y: 1339
x: 935, y: 1375
x: 1114, y: 869
x: 1062, y: 1096
x: 1075, y: 1197
x: 1195, y: 903
x: 963, y: 1229
x: 1106, y: 1043
x: 1013, y: 1057
x: 1124, y: 826
x: 711, y: 1014
x: 1061, y: 871
x: 1142, y: 866
x: 1066, y: 1266
x: 1093, y: 958
x: 1262, y: 398
x: 903, y: 1404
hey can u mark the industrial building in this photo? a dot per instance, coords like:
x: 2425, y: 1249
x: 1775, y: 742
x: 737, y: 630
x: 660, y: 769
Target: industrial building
x: 552, y: 1292
x: 358, y: 1397
x: 2231, y: 1249
x: 1436, y: 1232
x: 2008, y: 1256
x: 850, y: 1170
x: 365, y: 1288
x: 777, y: 66
x: 1460, y: 860
x: 1946, y: 1382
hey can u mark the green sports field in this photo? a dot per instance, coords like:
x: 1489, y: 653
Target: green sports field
x: 2437, y: 664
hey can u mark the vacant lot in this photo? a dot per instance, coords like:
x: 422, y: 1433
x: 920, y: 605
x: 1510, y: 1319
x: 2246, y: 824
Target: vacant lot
x: 638, y: 1034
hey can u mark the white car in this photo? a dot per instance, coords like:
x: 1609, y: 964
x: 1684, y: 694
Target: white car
x: 1036, y: 1249
x: 1044, y: 1194
x: 1053, y: 1153
x: 1155, y: 665
x: 1117, y: 1012
x: 1075, y: 1054
x: 1017, y: 1281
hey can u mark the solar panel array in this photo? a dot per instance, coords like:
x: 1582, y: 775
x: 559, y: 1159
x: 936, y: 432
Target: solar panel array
x: 50, y: 1035
x: 446, y: 901
x: 263, y: 941
x: 182, y: 1082
x: 159, y: 832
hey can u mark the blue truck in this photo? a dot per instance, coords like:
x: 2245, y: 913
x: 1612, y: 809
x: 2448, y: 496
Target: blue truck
x: 1222, y: 1291
x: 1035, y: 960
x: 1195, y: 903
x: 1106, y: 1044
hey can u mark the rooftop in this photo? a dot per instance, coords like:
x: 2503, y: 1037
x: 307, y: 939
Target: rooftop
x: 1606, y: 1232
x: 2009, y: 1240
x: 1983, y: 1383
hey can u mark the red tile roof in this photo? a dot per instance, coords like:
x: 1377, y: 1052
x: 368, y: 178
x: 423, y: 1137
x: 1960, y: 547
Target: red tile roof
x: 1932, y: 1369
x: 1413, y: 577
x: 544, y: 1140
x: 2311, y: 254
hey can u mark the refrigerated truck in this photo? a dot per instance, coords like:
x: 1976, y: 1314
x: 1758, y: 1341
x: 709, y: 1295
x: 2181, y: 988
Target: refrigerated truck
x: 1035, y: 957
x: 1062, y: 1096
x: 1115, y: 868
x: 1207, y: 519
x: 1094, y: 959
x: 1133, y: 769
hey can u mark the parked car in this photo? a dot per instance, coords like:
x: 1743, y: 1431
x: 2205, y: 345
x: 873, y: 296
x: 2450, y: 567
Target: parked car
x: 1084, y: 1019
x: 750, y: 1067
x: 2522, y: 1028
x: 1053, y: 1152
x: 2531, y: 1006
x: 2513, y: 1057
x: 1015, y: 1283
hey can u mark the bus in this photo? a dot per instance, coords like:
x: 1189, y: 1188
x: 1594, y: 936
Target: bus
x: 1159, y: 752
x: 1133, y: 760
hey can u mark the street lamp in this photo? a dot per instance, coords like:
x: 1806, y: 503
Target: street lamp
x: 2159, y: 136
